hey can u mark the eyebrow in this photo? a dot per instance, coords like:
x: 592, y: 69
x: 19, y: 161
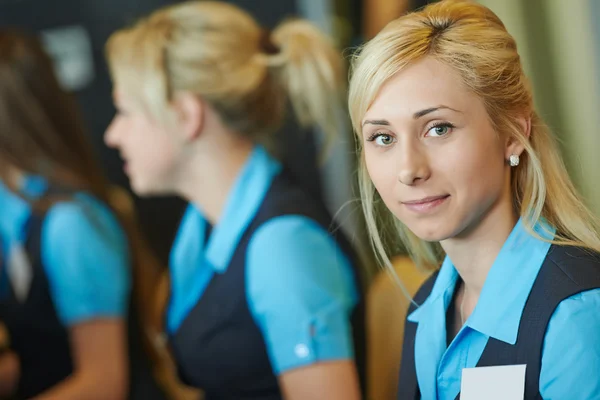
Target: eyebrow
x: 376, y: 122
x: 416, y: 115
x: 426, y: 111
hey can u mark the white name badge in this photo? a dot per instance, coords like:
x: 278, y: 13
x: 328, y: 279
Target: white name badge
x: 20, y: 272
x: 505, y: 382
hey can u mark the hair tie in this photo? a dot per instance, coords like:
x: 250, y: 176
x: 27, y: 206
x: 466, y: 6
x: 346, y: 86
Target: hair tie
x: 266, y: 45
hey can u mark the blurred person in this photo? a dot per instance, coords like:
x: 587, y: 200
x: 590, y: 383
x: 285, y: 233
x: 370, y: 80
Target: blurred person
x: 69, y: 26
x: 264, y: 302
x: 454, y: 149
x: 68, y: 246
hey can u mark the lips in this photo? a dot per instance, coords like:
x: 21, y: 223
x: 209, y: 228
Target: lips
x: 125, y: 164
x: 425, y: 200
x: 426, y: 204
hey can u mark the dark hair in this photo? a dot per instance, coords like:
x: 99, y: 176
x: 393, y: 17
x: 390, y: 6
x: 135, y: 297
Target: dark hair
x: 40, y: 129
x: 41, y: 133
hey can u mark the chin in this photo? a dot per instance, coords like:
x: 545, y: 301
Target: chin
x: 143, y: 188
x: 434, y: 231
x: 140, y: 190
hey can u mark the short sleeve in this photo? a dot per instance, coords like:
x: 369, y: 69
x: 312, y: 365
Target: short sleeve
x: 85, y: 255
x: 301, y: 291
x: 571, y: 353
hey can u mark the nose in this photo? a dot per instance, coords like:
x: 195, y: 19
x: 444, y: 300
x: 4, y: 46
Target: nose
x: 413, y: 164
x: 111, y: 135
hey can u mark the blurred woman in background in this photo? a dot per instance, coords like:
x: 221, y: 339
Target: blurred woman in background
x: 67, y: 243
x: 264, y: 302
x: 454, y: 148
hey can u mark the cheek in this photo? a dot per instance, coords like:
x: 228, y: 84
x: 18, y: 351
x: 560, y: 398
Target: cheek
x: 159, y: 150
x: 476, y: 173
x: 380, y: 166
x: 480, y: 164
x: 151, y: 148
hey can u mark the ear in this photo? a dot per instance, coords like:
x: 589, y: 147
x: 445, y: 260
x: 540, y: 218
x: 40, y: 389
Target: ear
x: 513, y: 145
x: 190, y: 111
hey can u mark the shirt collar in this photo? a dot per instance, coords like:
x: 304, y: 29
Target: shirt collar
x: 442, y: 291
x: 243, y: 202
x: 507, y: 286
x: 14, y: 210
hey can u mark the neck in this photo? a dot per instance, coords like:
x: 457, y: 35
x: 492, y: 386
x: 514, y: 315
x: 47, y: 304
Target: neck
x: 210, y: 174
x: 474, y: 252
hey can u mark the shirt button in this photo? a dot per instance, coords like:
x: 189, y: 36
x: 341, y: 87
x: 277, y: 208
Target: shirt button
x: 301, y: 350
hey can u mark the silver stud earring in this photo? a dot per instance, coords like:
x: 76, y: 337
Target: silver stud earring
x: 513, y: 160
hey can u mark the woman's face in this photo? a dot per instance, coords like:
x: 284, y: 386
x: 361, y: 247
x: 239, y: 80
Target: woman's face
x: 149, y: 152
x: 432, y: 153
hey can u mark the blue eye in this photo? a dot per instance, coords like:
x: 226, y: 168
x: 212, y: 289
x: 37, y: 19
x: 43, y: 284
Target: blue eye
x: 383, y: 140
x: 440, y: 130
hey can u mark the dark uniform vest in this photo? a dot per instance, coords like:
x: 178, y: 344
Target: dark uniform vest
x: 565, y: 272
x: 36, y: 333
x: 218, y: 347
x: 42, y: 342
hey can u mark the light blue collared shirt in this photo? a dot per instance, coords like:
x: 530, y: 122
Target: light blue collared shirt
x: 571, y: 352
x: 84, y: 252
x: 299, y: 285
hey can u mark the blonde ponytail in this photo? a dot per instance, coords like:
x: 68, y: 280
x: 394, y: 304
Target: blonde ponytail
x: 311, y: 70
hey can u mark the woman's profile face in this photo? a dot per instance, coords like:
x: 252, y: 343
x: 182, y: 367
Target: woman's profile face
x: 432, y: 153
x: 149, y: 152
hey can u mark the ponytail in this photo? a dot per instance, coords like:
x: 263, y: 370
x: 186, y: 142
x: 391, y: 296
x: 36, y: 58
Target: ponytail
x: 311, y: 70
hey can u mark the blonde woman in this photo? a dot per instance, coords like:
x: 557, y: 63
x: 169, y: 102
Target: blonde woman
x: 264, y: 302
x: 453, y: 147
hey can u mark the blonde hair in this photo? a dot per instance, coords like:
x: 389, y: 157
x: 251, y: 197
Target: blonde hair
x: 219, y: 52
x: 472, y: 40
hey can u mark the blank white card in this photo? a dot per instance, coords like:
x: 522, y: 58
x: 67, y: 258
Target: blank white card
x: 505, y: 382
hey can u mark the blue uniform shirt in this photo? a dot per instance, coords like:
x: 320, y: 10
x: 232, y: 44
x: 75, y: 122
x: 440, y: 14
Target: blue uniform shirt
x: 299, y: 285
x: 571, y: 350
x: 83, y: 248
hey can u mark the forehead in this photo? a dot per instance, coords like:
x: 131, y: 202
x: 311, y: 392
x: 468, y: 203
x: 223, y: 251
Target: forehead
x: 424, y: 84
x: 124, y: 97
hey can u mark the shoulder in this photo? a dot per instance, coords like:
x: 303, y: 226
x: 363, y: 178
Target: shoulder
x: 574, y: 274
x: 301, y: 291
x: 82, y: 229
x: 293, y: 265
x: 285, y: 227
x: 571, y: 350
x: 577, y: 265
x: 294, y: 244
x: 80, y: 219
x: 286, y: 198
x: 86, y: 257
x: 579, y: 310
